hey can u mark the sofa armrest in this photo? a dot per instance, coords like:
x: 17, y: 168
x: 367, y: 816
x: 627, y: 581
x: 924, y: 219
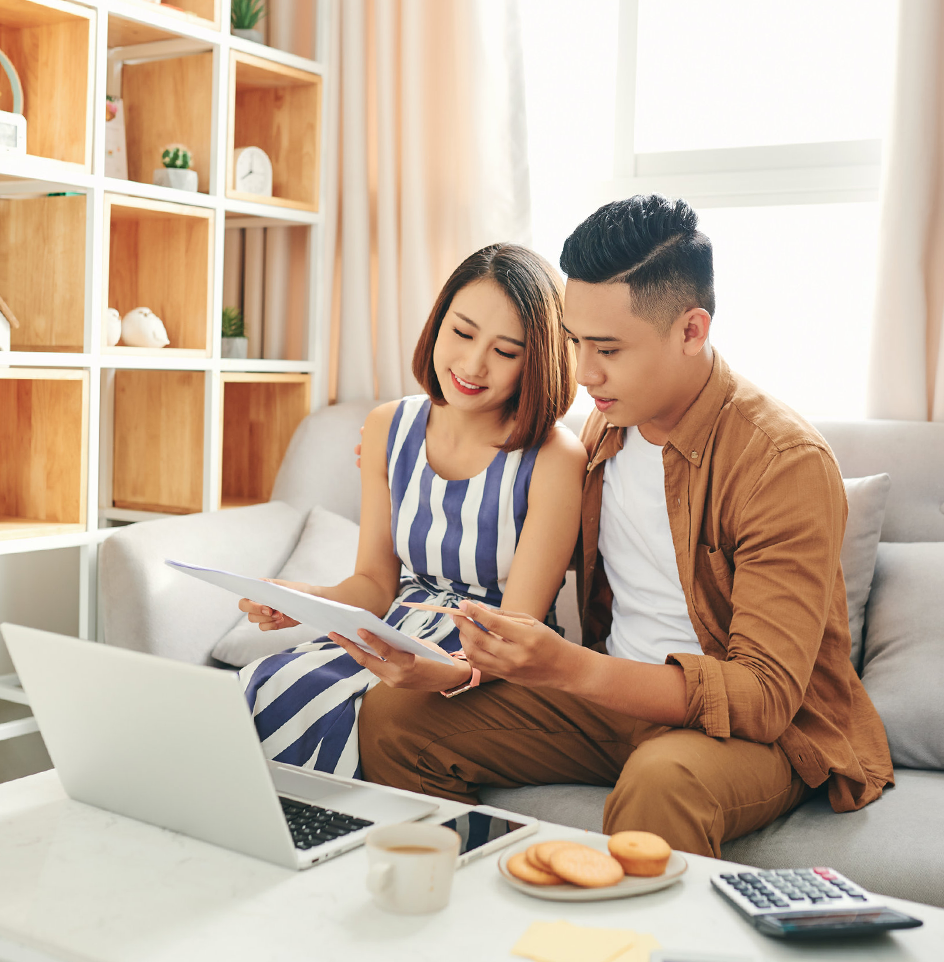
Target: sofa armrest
x: 149, y: 607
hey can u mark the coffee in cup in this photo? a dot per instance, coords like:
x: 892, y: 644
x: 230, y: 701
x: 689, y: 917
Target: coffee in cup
x: 411, y: 867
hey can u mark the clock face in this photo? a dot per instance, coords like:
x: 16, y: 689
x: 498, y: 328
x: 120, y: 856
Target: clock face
x: 253, y: 171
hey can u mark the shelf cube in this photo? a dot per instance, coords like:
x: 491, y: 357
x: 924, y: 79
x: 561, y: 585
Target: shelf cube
x: 42, y: 270
x: 168, y: 101
x: 158, y: 441
x: 260, y: 413
x: 161, y: 256
x: 44, y: 440
x: 277, y: 108
x: 51, y: 45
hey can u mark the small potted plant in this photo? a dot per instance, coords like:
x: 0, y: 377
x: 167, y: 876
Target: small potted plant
x: 234, y: 343
x: 246, y: 14
x: 176, y: 171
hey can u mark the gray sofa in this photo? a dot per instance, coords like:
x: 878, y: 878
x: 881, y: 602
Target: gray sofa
x: 308, y: 532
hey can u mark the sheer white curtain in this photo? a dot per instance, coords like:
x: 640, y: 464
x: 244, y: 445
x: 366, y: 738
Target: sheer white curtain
x: 906, y: 371
x: 432, y: 165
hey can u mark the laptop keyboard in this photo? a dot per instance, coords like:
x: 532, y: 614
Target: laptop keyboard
x: 312, y: 825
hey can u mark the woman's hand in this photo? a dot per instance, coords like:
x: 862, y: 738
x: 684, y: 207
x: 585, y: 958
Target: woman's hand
x: 530, y: 654
x: 268, y: 619
x: 400, y: 669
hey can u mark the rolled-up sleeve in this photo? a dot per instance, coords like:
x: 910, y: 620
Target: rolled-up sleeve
x: 785, y: 551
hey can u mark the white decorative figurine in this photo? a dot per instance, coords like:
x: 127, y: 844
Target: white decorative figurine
x: 112, y: 324
x: 143, y: 328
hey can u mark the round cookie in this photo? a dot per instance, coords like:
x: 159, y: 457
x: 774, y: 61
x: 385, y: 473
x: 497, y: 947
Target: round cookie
x: 586, y: 867
x: 539, y: 854
x: 640, y: 853
x: 521, y: 868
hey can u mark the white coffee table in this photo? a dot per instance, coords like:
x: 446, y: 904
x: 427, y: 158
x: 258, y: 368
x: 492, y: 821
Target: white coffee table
x: 77, y: 883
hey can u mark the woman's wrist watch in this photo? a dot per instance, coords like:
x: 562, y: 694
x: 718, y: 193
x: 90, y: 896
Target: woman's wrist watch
x: 473, y: 682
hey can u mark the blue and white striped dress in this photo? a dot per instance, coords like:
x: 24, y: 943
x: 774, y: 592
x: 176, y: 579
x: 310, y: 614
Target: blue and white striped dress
x: 456, y: 540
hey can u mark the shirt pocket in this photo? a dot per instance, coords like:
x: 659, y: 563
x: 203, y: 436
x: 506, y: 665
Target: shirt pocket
x: 712, y: 586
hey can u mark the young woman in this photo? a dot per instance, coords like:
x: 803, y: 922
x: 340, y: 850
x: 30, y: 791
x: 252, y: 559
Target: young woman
x: 469, y: 491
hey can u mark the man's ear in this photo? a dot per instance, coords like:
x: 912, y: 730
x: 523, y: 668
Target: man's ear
x: 694, y: 325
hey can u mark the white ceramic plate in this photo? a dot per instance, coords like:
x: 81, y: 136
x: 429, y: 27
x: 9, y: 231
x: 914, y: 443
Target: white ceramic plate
x: 631, y: 885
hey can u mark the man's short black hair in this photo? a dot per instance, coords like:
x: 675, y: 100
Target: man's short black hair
x: 653, y: 245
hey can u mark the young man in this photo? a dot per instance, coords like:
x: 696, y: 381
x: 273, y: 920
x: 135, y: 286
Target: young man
x: 713, y: 687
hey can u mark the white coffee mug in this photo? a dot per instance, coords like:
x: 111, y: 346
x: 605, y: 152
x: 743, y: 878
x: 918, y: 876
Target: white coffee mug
x: 411, y: 867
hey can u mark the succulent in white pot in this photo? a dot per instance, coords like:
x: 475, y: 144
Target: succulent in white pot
x: 111, y: 322
x: 244, y: 17
x: 234, y: 343
x: 143, y: 328
x: 176, y: 171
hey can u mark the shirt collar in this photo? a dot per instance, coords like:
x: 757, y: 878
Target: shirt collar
x: 690, y: 436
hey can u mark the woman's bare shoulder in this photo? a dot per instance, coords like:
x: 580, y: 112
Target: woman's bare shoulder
x: 562, y: 451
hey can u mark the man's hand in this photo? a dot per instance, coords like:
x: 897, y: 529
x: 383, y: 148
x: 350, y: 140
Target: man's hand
x: 268, y: 619
x: 531, y: 655
x: 400, y: 669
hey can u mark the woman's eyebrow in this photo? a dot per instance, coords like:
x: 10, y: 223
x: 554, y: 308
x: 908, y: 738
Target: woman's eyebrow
x: 500, y: 337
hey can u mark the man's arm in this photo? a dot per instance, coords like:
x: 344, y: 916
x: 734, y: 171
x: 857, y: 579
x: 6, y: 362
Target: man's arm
x: 535, y: 656
x: 786, y: 569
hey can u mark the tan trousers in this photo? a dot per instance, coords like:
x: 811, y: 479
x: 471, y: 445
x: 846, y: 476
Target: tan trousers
x: 693, y: 790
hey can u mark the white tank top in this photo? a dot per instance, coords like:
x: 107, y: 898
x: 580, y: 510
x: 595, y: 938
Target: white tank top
x: 650, y: 616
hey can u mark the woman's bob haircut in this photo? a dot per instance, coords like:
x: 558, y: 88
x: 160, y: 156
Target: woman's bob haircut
x: 547, y: 386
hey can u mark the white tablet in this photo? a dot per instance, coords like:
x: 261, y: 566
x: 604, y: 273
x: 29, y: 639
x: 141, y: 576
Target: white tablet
x: 320, y: 613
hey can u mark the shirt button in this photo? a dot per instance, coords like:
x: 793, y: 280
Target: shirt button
x: 694, y: 455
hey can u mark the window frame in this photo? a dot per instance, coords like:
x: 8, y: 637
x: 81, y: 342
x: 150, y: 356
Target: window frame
x: 820, y: 173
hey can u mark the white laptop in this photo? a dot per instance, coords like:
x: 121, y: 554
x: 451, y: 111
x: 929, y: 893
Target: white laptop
x: 173, y: 744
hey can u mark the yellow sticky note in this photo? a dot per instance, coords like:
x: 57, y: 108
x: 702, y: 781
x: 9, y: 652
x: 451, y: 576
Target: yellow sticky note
x: 639, y: 950
x: 562, y: 942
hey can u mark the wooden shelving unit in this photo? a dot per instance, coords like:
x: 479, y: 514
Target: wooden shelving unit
x: 44, y: 439
x: 50, y: 44
x: 260, y: 413
x: 148, y: 433
x: 42, y: 270
x: 160, y: 255
x: 264, y: 99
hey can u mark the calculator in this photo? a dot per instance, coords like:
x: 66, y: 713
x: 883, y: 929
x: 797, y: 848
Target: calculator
x: 808, y: 903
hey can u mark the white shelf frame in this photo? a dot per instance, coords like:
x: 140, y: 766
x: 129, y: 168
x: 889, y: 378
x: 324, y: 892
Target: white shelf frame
x: 28, y: 174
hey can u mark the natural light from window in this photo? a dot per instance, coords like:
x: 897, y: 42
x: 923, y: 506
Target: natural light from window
x: 795, y: 279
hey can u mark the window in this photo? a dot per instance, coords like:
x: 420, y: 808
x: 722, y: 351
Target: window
x: 768, y: 118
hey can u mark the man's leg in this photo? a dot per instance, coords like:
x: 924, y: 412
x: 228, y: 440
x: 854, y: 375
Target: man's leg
x: 697, y: 792
x: 499, y: 734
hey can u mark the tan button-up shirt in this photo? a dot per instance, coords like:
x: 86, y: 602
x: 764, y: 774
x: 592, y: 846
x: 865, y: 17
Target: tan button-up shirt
x: 757, y: 510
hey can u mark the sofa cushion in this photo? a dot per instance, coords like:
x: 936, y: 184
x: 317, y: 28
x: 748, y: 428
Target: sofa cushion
x: 150, y: 607
x: 866, y: 497
x: 324, y: 555
x: 904, y: 651
x: 886, y: 847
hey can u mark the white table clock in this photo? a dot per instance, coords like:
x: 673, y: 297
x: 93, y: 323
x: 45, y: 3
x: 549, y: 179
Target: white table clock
x: 253, y: 171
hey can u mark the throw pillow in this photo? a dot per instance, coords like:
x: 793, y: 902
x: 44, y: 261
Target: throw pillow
x: 325, y: 554
x: 866, y: 497
x: 904, y: 651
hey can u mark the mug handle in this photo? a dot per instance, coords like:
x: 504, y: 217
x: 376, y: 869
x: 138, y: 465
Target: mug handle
x: 379, y: 877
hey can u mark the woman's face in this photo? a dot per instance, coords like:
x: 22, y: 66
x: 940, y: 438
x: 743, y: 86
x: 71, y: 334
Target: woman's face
x: 479, y: 351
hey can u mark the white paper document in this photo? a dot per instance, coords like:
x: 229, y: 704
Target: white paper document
x: 320, y: 613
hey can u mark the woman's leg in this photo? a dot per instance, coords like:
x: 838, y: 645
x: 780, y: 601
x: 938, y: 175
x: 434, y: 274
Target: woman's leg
x: 305, y: 704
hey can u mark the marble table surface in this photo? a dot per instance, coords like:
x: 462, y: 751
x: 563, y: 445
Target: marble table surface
x: 79, y: 884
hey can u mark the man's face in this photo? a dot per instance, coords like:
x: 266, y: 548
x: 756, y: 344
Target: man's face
x: 635, y: 375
